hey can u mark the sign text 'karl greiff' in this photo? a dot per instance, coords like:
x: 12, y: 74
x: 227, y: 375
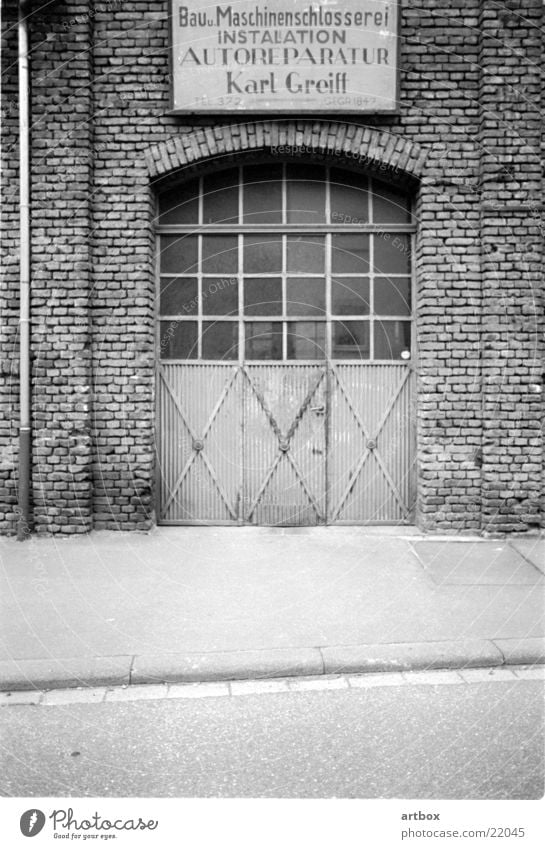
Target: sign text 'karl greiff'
x: 285, y: 56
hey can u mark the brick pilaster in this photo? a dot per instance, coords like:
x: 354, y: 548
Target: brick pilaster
x: 61, y: 185
x: 511, y: 248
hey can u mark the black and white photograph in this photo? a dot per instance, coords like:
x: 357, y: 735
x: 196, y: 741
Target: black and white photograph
x: 272, y: 479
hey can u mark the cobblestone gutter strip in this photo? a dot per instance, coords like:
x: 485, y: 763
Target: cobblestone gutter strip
x: 266, y: 664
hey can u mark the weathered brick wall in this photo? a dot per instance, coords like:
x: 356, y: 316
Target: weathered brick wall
x: 9, y: 277
x: 511, y: 242
x: 60, y: 270
x: 440, y: 74
x: 61, y: 173
x: 540, y: 217
x: 130, y: 103
x: 479, y: 439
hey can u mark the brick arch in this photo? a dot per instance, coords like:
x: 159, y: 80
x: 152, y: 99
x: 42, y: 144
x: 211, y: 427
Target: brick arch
x: 353, y: 146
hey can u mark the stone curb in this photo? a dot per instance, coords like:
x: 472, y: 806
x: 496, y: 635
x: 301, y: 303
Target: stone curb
x: 266, y: 663
x: 532, y: 649
x: 48, y: 674
x: 402, y: 657
x: 226, y: 666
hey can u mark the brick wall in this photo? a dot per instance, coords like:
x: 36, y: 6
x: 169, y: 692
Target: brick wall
x: 511, y: 245
x: 441, y: 78
x: 9, y: 278
x: 539, y: 216
x: 61, y: 175
x: 100, y: 98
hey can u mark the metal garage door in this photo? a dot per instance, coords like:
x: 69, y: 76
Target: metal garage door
x: 284, y: 385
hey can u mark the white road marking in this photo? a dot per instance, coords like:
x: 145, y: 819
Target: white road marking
x: 302, y: 684
x: 497, y: 673
x: 442, y: 676
x: 271, y: 685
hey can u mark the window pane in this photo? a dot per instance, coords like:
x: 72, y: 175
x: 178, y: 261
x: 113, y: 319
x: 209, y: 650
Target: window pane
x: 262, y: 254
x: 263, y: 340
x: 351, y: 339
x: 392, y: 297
x: 219, y: 254
x: 305, y: 296
x: 350, y: 296
x: 263, y: 296
x: 178, y: 340
x: 179, y: 296
x: 348, y: 198
x: 392, y: 253
x: 220, y: 197
x: 180, y: 205
x: 220, y: 340
x: 350, y: 254
x: 220, y: 296
x: 263, y: 194
x: 178, y: 254
x: 392, y: 340
x: 306, y: 340
x: 306, y: 253
x: 390, y: 205
x: 305, y: 194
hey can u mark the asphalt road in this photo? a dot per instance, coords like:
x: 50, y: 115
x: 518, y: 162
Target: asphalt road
x: 469, y: 741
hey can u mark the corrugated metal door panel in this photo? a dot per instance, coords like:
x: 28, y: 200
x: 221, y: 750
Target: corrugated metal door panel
x: 396, y: 446
x: 371, y: 444
x: 249, y: 444
x: 199, y: 443
x: 284, y: 444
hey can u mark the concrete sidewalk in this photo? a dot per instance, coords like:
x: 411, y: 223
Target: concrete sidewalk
x: 201, y: 604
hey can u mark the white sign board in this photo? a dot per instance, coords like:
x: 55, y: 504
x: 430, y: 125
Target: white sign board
x: 284, y: 56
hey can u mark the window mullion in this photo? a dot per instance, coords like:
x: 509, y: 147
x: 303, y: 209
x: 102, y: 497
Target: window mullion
x: 199, y: 297
x: 412, y: 301
x: 301, y: 228
x: 328, y: 306
x: 371, y: 297
x: 199, y: 270
x: 371, y: 219
x: 327, y: 269
x: 327, y: 196
x: 240, y: 196
x: 241, y: 327
x: 284, y: 194
x: 284, y: 297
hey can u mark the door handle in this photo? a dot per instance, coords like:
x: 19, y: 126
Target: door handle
x: 319, y: 409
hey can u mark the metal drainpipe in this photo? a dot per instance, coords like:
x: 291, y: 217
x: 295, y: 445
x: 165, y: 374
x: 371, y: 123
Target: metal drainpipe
x: 23, y: 524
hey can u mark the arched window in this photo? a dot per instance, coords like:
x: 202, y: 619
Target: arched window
x: 284, y: 262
